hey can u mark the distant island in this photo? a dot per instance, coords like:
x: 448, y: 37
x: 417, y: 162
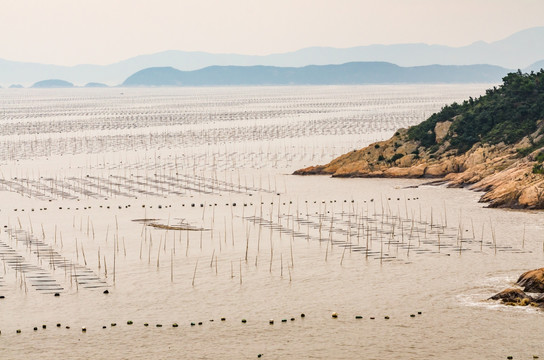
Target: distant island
x: 345, y: 74
x: 494, y: 143
x: 16, y: 86
x: 52, y: 83
x: 95, y: 85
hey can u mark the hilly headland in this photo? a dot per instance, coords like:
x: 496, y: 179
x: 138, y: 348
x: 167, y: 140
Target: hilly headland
x: 494, y: 143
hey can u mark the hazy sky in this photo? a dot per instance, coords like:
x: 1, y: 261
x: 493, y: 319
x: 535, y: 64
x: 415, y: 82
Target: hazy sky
x: 68, y: 32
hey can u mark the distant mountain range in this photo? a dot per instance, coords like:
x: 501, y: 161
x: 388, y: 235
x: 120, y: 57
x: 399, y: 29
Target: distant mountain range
x: 523, y: 50
x: 349, y: 73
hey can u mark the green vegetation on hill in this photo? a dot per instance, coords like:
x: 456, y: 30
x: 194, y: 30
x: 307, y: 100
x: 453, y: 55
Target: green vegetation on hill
x: 503, y: 114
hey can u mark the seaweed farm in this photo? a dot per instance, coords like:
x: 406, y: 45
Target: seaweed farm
x: 165, y: 223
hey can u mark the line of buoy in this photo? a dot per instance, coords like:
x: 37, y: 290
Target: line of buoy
x: 334, y: 315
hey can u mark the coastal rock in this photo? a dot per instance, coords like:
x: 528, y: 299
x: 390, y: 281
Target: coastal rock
x: 441, y: 130
x: 506, y: 179
x: 408, y: 172
x: 532, y: 281
x: 491, y: 144
x: 513, y: 296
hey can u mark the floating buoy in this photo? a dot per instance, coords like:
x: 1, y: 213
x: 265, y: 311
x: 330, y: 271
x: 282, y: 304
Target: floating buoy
x: 104, y: 326
x: 283, y: 320
x: 386, y: 318
x: 18, y: 331
x: 419, y: 312
x: 113, y: 324
x: 129, y: 322
x: 44, y: 326
x: 193, y: 324
x: 57, y: 294
x: 271, y: 322
x: 302, y: 315
x: 358, y: 317
x: 244, y: 321
x: 35, y: 328
x: 67, y: 327
x: 372, y: 318
x: 412, y: 315
x: 292, y: 319
x: 83, y: 329
x: 200, y: 323
x: 334, y: 315
x: 106, y: 291
x: 175, y: 325
x: 159, y: 325
x: 146, y: 324
x: 509, y: 357
x: 58, y: 324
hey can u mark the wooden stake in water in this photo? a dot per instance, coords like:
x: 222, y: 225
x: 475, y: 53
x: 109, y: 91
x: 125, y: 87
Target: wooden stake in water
x: 159, y: 252
x: 83, y: 253
x: 291, y: 249
x: 240, y: 271
x: 281, y: 265
x: 247, y: 240
x: 194, y: 273
x: 523, y: 238
x: 482, y: 238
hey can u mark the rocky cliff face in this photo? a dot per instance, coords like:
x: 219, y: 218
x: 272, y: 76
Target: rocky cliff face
x: 508, y: 177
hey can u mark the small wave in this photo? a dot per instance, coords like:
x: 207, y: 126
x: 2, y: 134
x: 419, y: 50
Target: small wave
x: 480, y: 301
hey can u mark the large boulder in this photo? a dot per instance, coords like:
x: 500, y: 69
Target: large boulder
x: 441, y: 130
x: 513, y: 296
x: 532, y: 281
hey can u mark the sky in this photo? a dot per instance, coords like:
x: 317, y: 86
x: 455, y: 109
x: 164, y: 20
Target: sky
x: 69, y: 32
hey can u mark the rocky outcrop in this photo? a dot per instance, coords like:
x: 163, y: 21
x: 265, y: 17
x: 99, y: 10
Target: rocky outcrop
x: 532, y: 281
x: 507, y: 178
x: 441, y: 130
x: 514, y: 296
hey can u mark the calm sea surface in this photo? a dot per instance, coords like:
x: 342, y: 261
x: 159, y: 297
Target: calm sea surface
x: 180, y: 203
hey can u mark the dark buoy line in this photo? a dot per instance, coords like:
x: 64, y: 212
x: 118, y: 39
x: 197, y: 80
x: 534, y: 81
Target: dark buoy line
x: 334, y: 315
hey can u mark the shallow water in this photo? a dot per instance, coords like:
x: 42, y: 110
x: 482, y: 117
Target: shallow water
x: 80, y: 166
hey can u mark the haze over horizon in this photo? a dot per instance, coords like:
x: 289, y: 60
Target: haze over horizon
x: 63, y: 32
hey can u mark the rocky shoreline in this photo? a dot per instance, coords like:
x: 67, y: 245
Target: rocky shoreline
x: 532, y: 282
x: 504, y: 172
